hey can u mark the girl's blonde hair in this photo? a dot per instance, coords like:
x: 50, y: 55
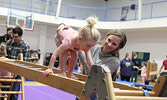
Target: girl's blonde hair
x: 89, y: 32
x: 3, y: 50
x: 120, y: 34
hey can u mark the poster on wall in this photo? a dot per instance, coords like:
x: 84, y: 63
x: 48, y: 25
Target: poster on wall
x: 124, y: 13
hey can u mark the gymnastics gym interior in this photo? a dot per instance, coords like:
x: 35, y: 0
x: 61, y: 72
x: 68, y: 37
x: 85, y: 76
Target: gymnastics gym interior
x: 143, y: 21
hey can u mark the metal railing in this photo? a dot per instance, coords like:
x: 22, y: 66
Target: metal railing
x: 150, y: 10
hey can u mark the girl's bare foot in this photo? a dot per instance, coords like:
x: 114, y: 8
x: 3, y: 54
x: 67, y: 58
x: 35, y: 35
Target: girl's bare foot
x: 70, y: 75
x: 62, y: 74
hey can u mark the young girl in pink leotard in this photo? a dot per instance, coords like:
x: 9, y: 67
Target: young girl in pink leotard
x: 69, y: 41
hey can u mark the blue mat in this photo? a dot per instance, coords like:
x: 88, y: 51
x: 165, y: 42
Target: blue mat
x: 146, y: 87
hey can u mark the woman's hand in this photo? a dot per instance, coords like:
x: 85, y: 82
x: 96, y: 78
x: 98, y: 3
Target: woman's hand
x: 136, y: 67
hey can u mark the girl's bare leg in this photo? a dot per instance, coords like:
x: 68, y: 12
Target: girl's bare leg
x: 62, y: 63
x: 72, y: 64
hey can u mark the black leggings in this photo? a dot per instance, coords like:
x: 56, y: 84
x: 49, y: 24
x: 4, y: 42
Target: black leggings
x: 125, y: 78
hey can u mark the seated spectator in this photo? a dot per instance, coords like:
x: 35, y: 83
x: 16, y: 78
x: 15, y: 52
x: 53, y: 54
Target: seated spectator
x: 3, y: 56
x: 33, y: 56
x: 3, y: 72
x: 6, y: 36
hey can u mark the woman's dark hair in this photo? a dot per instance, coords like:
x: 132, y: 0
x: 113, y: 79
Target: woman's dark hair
x: 120, y: 34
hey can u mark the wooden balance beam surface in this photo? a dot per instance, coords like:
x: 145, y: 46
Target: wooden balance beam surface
x: 156, y: 72
x: 82, y: 77
x: 63, y: 83
x: 124, y: 86
x: 132, y: 93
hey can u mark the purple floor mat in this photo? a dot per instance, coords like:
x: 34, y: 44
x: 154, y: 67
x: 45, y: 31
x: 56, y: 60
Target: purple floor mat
x: 45, y: 93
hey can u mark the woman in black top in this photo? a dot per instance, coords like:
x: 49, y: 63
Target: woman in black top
x: 134, y: 70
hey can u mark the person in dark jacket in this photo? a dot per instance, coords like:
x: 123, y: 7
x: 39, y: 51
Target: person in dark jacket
x: 134, y: 70
x: 7, y: 36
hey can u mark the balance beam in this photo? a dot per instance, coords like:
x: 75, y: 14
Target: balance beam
x: 81, y: 77
x: 63, y: 83
x: 66, y: 84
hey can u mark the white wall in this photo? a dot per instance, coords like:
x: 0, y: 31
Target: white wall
x: 86, y: 3
x: 142, y: 36
x: 50, y: 44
